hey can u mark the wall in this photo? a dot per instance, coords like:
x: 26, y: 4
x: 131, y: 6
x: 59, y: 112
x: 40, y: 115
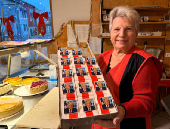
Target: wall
x: 66, y: 10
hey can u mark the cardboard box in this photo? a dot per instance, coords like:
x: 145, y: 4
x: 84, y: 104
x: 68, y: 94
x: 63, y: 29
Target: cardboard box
x: 157, y: 33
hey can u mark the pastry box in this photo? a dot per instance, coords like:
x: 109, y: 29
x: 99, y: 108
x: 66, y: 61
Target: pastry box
x: 84, y: 95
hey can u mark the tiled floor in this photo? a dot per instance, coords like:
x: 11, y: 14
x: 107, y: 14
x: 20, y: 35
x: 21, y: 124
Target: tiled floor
x: 160, y: 120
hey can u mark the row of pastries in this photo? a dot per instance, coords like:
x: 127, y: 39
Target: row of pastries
x: 83, y: 90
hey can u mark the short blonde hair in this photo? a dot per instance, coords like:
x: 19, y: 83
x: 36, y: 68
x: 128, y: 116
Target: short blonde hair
x: 106, y: 99
x: 80, y: 69
x: 94, y: 68
x: 88, y: 101
x: 70, y: 102
x: 100, y: 82
x: 67, y: 70
x: 67, y: 84
x: 126, y: 12
x: 83, y: 84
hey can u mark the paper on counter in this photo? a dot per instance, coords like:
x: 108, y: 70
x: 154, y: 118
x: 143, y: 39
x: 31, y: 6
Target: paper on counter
x: 81, y: 31
x: 95, y: 45
x: 46, y: 112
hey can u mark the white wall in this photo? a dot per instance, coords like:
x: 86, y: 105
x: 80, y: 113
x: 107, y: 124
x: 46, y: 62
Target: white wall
x: 66, y: 10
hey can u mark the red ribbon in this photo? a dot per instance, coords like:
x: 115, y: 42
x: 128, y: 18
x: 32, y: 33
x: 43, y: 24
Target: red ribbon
x: 41, y: 23
x: 64, y: 56
x: 66, y: 67
x: 88, y: 114
x: 78, y: 66
x: 73, y: 116
x: 75, y: 56
x: 81, y: 78
x: 71, y: 96
x: 10, y: 32
x: 68, y: 79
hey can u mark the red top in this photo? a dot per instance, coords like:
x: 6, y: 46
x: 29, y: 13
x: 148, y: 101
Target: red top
x: 138, y: 71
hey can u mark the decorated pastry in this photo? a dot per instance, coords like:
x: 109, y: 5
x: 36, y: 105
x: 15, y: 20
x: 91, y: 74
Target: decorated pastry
x: 38, y: 87
x: 13, y: 81
x: 28, y: 81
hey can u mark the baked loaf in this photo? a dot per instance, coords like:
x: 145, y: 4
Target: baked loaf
x: 10, y: 106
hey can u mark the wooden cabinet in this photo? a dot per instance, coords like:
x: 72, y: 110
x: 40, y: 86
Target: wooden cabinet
x: 153, y: 25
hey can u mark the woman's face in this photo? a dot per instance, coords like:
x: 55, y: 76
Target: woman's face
x: 123, y: 33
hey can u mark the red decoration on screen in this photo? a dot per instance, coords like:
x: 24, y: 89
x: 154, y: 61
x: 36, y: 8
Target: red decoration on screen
x: 41, y: 23
x: 10, y: 32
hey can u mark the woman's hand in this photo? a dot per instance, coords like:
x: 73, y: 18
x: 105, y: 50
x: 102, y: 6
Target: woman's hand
x: 115, y: 122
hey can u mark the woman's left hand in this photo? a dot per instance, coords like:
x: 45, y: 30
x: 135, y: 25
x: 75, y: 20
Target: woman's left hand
x: 115, y: 122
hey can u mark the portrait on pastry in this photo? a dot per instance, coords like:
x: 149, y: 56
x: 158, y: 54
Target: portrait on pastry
x: 66, y: 73
x: 95, y: 71
x: 67, y: 88
x: 100, y: 85
x: 78, y: 60
x: 81, y: 71
x: 91, y: 61
x: 107, y: 102
x: 63, y: 51
x: 88, y: 105
x: 76, y: 51
x: 70, y: 106
x: 65, y: 61
x: 84, y: 87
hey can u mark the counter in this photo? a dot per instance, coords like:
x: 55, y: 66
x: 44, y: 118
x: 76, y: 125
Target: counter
x: 29, y: 103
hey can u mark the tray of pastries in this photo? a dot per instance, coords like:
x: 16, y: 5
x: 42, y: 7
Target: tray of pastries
x: 84, y: 95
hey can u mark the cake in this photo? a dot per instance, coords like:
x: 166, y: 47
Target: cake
x: 28, y: 81
x: 38, y: 87
x: 4, y: 88
x: 13, y: 81
x: 10, y: 106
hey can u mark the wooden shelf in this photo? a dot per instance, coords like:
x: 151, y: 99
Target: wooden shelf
x: 147, y: 8
x: 142, y: 37
x: 153, y: 37
x: 142, y: 23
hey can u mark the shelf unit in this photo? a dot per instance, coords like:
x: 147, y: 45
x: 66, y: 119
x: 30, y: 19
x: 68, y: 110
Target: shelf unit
x: 153, y: 25
x: 13, y: 50
x: 142, y: 37
x: 146, y: 8
x: 142, y: 23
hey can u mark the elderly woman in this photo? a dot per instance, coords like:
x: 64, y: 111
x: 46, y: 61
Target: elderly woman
x: 132, y: 74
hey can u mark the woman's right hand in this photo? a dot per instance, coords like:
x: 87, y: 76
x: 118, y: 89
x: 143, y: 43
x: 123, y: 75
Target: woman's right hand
x: 115, y: 122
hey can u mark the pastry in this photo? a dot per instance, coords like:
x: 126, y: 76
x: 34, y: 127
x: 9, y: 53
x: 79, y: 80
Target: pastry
x: 28, y: 81
x: 13, y: 81
x: 38, y: 87
x: 10, y: 106
x: 4, y: 88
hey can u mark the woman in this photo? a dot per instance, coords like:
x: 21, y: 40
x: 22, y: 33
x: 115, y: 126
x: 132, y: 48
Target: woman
x: 132, y: 74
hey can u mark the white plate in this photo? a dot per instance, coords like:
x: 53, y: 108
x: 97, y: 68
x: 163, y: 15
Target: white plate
x: 1, y: 119
x: 22, y: 91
